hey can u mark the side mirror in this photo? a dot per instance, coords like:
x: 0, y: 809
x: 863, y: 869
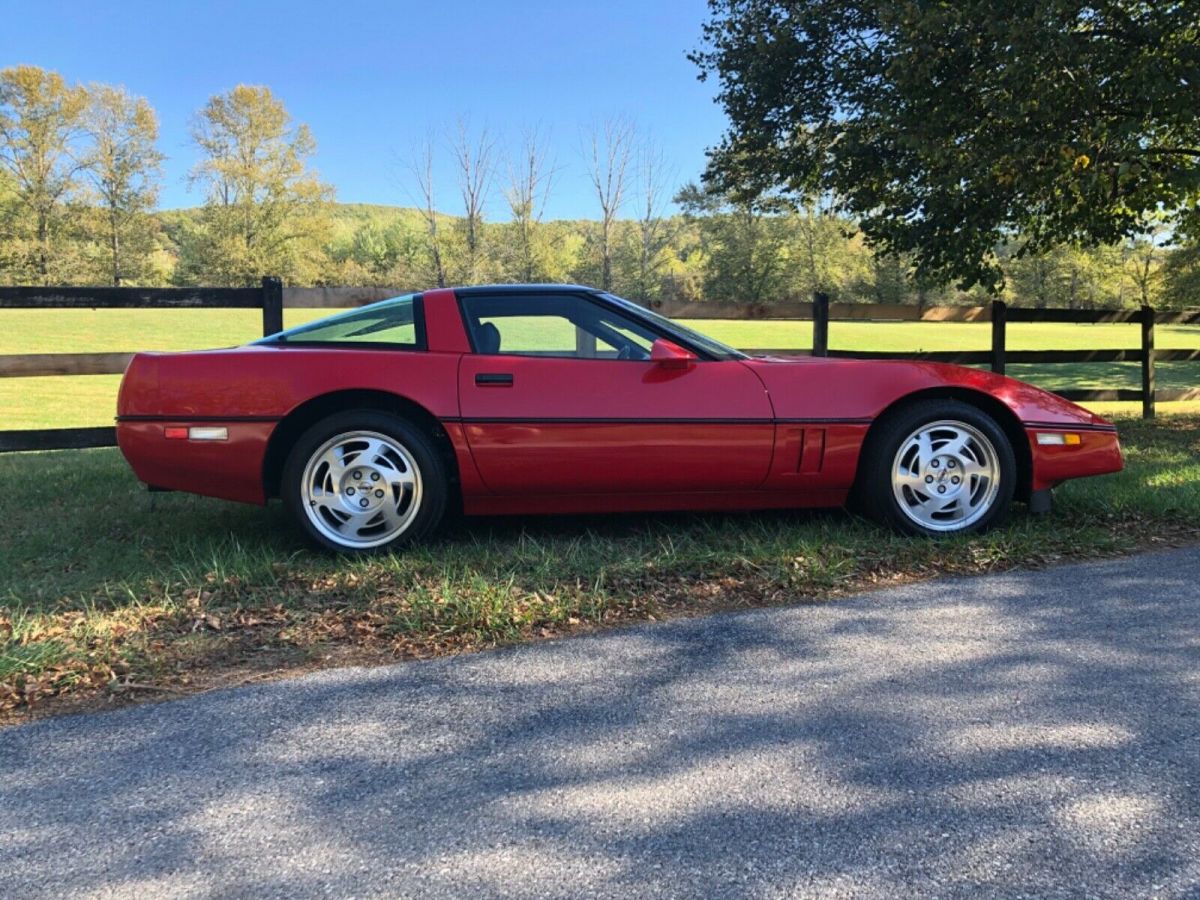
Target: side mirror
x: 671, y: 356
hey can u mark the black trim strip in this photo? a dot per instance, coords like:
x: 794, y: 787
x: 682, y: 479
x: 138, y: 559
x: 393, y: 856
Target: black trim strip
x: 595, y: 420
x: 829, y: 421
x: 1061, y: 426
x: 496, y: 379
x: 188, y: 418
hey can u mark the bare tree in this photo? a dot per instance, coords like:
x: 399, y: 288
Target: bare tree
x: 653, y: 177
x: 607, y: 151
x: 421, y: 167
x: 530, y: 178
x: 475, y: 156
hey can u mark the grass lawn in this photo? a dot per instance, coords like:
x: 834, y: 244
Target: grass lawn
x: 91, y: 399
x: 107, y: 592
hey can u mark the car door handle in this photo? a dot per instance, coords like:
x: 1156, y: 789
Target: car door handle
x: 494, y: 379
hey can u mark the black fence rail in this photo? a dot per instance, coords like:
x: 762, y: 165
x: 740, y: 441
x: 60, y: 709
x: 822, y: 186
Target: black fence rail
x: 271, y: 298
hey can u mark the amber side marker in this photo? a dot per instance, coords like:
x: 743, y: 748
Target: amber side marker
x: 1059, y: 438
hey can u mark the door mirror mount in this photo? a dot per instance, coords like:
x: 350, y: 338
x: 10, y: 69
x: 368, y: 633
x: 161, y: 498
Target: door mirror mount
x: 669, y: 355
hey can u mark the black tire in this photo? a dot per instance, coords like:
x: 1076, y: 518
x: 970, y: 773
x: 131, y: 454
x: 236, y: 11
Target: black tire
x: 874, y: 493
x: 426, y: 505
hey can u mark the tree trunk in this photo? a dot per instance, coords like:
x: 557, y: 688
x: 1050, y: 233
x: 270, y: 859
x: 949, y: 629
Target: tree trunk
x: 116, y: 252
x: 43, y: 255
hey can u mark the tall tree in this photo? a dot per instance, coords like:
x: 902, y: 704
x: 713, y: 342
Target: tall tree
x: 265, y: 210
x: 945, y: 128
x: 40, y: 116
x: 530, y: 178
x: 607, y: 151
x: 1181, y: 276
x: 653, y: 181
x: 1142, y: 260
x: 421, y: 168
x: 123, y: 164
x: 474, y: 156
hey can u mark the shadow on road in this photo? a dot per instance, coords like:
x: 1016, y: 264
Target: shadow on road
x: 1027, y: 732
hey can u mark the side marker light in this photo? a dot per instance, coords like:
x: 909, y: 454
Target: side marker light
x: 1058, y: 439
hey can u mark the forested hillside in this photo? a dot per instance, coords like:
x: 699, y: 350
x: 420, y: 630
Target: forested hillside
x: 80, y: 175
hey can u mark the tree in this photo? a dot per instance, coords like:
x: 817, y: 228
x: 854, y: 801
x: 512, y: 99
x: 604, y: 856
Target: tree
x: 124, y: 167
x: 1181, y: 276
x: 653, y: 234
x: 476, y: 165
x: 39, y: 129
x: 530, y: 178
x: 379, y: 253
x: 820, y: 248
x: 948, y: 128
x: 607, y: 150
x: 744, y: 241
x: 1142, y: 260
x: 421, y: 167
x: 265, y: 210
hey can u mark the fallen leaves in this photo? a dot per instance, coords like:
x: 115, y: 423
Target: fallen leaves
x: 225, y: 627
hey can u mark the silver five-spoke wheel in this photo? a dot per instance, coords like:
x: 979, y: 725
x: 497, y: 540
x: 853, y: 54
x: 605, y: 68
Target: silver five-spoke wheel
x: 361, y: 489
x: 946, y: 475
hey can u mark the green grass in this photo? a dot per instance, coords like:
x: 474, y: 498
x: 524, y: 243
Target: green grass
x: 91, y: 400
x: 102, y: 584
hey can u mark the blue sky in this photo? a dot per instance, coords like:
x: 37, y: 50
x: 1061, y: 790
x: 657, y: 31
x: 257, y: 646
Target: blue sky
x: 370, y: 77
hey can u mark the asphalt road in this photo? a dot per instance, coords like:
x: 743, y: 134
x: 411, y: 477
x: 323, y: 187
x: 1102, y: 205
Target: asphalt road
x: 1028, y: 733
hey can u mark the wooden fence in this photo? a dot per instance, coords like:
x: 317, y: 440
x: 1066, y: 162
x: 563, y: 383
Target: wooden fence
x: 271, y: 298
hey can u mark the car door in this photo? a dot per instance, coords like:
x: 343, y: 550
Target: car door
x: 559, y: 396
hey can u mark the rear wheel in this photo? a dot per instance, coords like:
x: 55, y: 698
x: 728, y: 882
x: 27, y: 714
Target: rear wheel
x: 364, y: 481
x: 938, y: 467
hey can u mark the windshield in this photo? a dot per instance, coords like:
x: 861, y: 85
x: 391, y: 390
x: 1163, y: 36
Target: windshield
x: 394, y: 322
x: 703, y: 342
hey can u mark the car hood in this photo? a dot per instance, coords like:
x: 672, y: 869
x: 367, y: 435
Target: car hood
x: 824, y: 388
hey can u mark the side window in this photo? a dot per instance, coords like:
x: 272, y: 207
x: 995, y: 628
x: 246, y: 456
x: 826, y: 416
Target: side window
x: 556, y: 325
x: 395, y: 322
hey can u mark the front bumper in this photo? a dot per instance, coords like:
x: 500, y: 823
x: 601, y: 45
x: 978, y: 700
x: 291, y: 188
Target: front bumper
x: 1098, y: 452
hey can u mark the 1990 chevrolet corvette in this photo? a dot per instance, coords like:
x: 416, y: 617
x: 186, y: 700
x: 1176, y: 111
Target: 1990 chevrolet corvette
x: 370, y: 424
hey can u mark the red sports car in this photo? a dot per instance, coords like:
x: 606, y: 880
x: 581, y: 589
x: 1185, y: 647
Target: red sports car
x: 371, y: 423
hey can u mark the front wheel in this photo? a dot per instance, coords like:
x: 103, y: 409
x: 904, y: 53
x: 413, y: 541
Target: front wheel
x: 938, y: 467
x: 364, y: 481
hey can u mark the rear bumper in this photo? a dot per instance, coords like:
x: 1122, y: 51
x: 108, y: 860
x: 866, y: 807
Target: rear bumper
x: 230, y: 469
x: 1097, y: 453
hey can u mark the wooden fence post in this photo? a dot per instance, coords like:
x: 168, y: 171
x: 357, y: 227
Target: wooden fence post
x: 1147, y: 362
x: 272, y: 305
x: 820, y: 341
x: 999, y: 337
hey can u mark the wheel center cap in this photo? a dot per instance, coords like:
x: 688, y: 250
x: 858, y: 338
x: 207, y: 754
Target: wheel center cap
x: 363, y: 489
x: 944, y: 476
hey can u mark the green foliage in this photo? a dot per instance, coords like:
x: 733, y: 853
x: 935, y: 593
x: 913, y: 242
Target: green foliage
x: 123, y: 165
x: 40, y: 115
x: 79, y: 179
x: 744, y: 242
x: 945, y: 129
x: 1181, y: 277
x: 265, y: 209
x: 79, y: 174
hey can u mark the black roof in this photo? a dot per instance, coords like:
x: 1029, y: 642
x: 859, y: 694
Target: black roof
x: 494, y: 289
